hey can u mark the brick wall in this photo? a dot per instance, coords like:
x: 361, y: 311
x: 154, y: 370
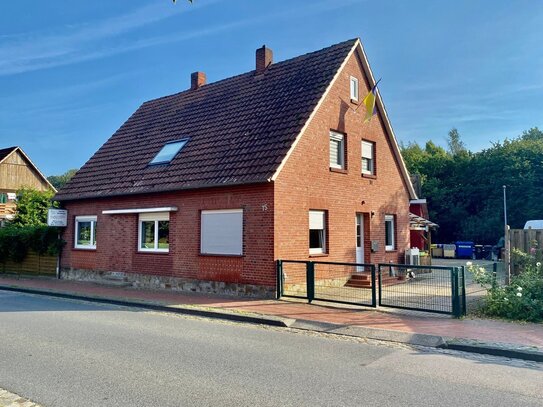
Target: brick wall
x: 306, y: 182
x: 116, y: 247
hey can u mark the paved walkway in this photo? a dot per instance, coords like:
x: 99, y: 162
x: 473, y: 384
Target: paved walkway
x: 484, y: 330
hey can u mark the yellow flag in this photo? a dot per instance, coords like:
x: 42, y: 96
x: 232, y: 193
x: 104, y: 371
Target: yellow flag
x: 369, y: 102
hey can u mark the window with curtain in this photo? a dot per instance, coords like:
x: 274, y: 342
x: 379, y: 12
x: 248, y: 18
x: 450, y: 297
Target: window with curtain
x: 317, y: 232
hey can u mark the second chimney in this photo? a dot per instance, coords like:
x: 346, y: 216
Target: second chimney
x: 197, y: 80
x: 264, y: 58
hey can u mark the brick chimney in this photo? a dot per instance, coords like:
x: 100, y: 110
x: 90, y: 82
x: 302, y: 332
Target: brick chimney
x: 264, y: 58
x: 197, y: 80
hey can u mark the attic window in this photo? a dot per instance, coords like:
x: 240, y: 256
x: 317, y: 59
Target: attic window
x: 169, y: 151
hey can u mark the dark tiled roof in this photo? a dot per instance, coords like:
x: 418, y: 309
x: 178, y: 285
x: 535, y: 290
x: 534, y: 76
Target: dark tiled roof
x: 239, y: 130
x: 4, y: 152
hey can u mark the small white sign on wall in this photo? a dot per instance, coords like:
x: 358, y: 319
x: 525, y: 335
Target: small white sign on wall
x: 57, y: 217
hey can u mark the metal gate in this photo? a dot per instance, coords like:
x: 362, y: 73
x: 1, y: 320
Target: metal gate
x: 347, y: 283
x: 436, y: 289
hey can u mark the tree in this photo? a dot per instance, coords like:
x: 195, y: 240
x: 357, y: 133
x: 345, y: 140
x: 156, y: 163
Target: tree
x: 58, y: 181
x: 464, y: 190
x: 455, y: 144
x: 32, y: 206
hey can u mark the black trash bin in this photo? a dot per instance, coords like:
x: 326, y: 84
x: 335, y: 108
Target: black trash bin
x: 478, y: 251
x: 487, y: 252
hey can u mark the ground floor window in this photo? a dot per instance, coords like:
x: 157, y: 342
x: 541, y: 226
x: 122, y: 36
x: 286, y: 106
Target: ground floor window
x: 154, y: 232
x: 222, y: 232
x: 317, y: 232
x: 85, y: 232
x: 390, y: 237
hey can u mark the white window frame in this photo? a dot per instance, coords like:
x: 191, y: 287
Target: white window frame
x: 354, y: 89
x: 371, y: 171
x: 152, y: 217
x: 80, y: 219
x: 235, y: 237
x: 321, y: 214
x: 390, y: 219
x: 338, y: 137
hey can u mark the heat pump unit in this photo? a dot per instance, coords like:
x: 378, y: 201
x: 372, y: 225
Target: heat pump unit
x: 412, y: 257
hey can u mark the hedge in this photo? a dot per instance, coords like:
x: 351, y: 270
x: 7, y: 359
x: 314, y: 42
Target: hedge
x: 16, y: 242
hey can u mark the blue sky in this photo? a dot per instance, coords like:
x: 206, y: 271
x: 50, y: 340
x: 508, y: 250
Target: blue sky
x: 71, y: 72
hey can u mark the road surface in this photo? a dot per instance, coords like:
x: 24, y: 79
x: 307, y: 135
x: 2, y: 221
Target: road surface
x: 75, y: 354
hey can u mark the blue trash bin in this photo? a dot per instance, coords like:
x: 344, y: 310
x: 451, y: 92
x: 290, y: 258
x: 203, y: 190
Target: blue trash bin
x: 464, y: 250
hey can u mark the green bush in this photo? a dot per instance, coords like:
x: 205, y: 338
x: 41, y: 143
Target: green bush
x: 15, y: 242
x: 521, y: 300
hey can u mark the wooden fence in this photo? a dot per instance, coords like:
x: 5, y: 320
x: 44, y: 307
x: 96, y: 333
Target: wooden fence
x: 525, y: 239
x: 33, y: 264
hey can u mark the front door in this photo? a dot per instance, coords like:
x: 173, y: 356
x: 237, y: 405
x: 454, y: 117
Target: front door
x: 359, y: 240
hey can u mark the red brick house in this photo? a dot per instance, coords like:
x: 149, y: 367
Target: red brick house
x: 204, y: 189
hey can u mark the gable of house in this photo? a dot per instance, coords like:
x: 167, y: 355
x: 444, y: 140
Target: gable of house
x: 17, y: 171
x: 313, y: 178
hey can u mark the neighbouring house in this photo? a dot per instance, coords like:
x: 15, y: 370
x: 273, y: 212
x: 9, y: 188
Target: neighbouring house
x: 205, y: 189
x: 17, y: 171
x: 420, y: 226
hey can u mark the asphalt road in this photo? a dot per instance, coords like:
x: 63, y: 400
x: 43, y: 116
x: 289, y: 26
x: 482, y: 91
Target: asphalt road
x: 72, y: 353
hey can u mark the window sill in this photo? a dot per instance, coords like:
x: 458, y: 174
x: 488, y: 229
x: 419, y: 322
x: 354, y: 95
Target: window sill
x: 220, y: 255
x: 369, y: 176
x: 318, y: 255
x: 391, y: 250
x: 85, y: 249
x: 338, y: 170
x: 153, y: 252
x: 355, y: 101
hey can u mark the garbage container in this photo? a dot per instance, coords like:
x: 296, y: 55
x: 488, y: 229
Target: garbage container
x: 449, y: 251
x: 464, y: 250
x: 487, y: 252
x: 437, y: 250
x: 478, y: 251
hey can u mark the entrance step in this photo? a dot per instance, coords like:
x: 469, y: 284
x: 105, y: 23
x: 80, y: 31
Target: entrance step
x: 363, y: 280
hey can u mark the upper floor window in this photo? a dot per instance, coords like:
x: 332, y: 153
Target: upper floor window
x: 85, y: 232
x: 368, y: 157
x: 390, y: 234
x: 169, y: 151
x: 317, y: 232
x: 337, y: 150
x: 354, y: 88
x: 154, y: 232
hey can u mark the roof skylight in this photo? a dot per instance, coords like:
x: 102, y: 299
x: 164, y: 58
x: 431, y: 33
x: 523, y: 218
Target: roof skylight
x: 169, y: 151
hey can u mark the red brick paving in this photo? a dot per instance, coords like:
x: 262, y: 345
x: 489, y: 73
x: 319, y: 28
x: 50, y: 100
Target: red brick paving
x: 478, y: 329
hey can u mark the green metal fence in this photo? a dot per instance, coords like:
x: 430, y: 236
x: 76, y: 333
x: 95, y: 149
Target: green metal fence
x: 436, y: 289
x: 348, y: 283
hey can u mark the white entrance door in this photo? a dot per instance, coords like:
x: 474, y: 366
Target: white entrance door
x: 359, y: 240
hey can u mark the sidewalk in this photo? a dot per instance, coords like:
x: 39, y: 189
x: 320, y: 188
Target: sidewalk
x: 415, y: 328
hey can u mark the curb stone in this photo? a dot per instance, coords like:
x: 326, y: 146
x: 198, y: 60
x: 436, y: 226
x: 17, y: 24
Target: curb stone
x: 435, y: 341
x: 495, y: 349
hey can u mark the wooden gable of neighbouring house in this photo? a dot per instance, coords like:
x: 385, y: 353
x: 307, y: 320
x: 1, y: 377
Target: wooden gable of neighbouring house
x: 18, y: 171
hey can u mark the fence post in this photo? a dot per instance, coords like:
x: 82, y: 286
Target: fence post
x: 373, y: 288
x: 279, y: 292
x: 464, y: 304
x: 494, y: 275
x: 379, y: 282
x: 454, y: 292
x: 310, y: 281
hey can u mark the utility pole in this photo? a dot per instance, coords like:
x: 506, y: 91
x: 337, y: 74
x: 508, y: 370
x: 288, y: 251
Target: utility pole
x: 507, y: 254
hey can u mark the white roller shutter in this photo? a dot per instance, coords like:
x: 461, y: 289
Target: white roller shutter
x: 222, y: 232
